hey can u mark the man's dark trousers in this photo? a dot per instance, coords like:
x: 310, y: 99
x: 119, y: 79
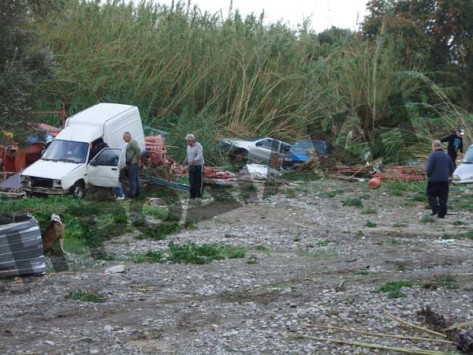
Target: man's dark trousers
x: 437, y: 193
x: 195, y: 180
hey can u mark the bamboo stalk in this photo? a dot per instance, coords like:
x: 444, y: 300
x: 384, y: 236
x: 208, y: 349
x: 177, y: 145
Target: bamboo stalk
x: 377, y: 346
x: 384, y: 335
x: 458, y: 325
x: 413, y: 326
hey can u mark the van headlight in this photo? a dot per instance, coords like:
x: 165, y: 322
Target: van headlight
x: 57, y: 184
x: 456, y: 178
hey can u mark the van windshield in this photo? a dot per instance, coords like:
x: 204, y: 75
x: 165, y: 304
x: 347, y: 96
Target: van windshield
x: 67, y: 151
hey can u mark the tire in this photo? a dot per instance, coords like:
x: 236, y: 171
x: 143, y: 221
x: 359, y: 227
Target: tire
x: 78, y: 190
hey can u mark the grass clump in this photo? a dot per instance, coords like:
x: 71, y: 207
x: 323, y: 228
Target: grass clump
x: 290, y: 193
x: 400, y: 225
x: 252, y: 259
x: 332, y: 193
x: 396, y: 188
x: 354, y: 202
x: 300, y: 176
x: 467, y: 235
x: 164, y: 229
x: 191, y: 253
x: 261, y: 247
x: 80, y: 295
x: 369, y: 210
x: 427, y: 219
x: 447, y: 281
x: 159, y: 212
x: 149, y: 257
x: 393, y: 241
x: 370, y: 224
x: 393, y: 288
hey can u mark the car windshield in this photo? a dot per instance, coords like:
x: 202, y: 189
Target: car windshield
x: 307, y: 145
x: 468, y: 156
x: 67, y: 151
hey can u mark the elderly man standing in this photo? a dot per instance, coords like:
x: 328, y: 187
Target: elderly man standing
x: 438, y: 170
x: 195, y: 163
x: 133, y: 153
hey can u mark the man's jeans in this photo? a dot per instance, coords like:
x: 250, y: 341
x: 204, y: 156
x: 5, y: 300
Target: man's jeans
x: 134, y: 179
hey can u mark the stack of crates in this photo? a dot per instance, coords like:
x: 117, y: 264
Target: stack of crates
x: 156, y: 149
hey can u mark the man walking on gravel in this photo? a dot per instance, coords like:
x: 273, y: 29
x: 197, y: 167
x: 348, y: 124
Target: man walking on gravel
x: 438, y: 170
x: 195, y: 163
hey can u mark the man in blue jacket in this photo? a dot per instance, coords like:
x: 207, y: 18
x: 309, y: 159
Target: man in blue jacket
x: 438, y: 170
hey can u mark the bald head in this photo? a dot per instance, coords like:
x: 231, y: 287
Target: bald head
x: 436, y: 145
x: 127, y: 136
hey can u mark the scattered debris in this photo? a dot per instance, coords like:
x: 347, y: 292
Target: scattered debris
x: 117, y: 269
x: 157, y: 181
x: 21, y: 246
x: 258, y: 172
x: 401, y: 173
x: 462, y: 339
x: 374, y: 183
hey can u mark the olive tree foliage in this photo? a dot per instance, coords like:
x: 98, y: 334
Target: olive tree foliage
x: 23, y: 64
x: 436, y: 33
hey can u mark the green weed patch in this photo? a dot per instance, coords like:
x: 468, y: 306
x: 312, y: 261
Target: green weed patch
x: 393, y: 288
x: 353, y: 202
x: 80, y: 295
x: 149, y: 257
x: 191, y: 253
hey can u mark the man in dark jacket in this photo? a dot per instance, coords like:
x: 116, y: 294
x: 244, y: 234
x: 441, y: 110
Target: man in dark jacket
x: 438, y: 170
x: 455, y: 144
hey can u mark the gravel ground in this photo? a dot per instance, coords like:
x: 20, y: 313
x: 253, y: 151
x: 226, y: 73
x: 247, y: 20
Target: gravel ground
x: 312, y: 264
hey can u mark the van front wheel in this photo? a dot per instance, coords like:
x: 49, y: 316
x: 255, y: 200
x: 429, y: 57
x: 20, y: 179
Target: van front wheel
x: 78, y: 190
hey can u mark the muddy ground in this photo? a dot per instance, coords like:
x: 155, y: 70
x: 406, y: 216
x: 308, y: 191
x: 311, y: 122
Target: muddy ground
x: 317, y: 256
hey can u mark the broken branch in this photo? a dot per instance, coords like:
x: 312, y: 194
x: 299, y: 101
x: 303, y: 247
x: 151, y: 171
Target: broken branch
x: 390, y: 315
x: 386, y: 335
x: 377, y: 346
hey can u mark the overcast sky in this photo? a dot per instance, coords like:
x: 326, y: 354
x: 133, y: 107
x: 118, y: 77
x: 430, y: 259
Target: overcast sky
x: 323, y: 14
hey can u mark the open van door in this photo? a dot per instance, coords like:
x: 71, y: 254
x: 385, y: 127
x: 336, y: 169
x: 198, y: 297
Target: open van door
x: 104, y: 168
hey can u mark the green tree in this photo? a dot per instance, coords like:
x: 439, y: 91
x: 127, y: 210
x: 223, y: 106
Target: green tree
x: 438, y: 33
x: 23, y: 65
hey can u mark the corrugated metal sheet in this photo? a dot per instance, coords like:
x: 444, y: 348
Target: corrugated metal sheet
x: 21, y: 247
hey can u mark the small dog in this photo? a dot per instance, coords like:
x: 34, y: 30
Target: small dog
x: 53, y: 234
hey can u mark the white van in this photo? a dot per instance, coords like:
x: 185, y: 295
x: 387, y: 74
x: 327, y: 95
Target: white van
x: 66, y: 166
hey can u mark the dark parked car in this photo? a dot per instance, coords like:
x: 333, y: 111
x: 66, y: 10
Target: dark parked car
x: 302, y: 150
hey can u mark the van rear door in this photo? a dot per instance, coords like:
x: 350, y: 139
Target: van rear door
x: 104, y: 169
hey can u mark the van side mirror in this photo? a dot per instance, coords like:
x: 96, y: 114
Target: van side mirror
x: 93, y: 162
